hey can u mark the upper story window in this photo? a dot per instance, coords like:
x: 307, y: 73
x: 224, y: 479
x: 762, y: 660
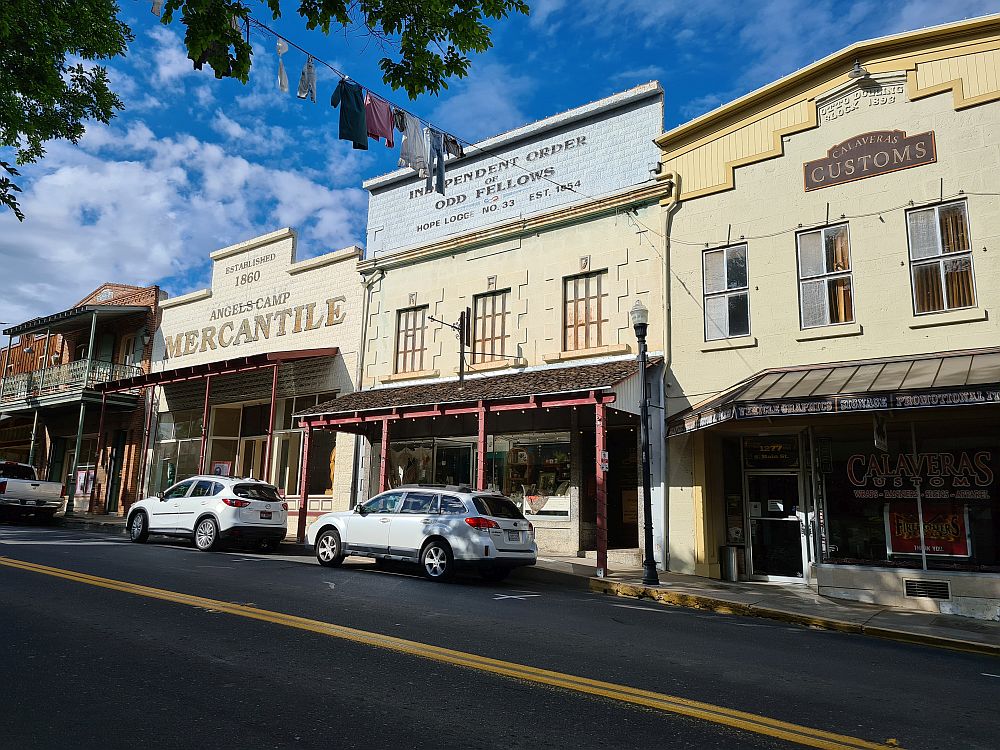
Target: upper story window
x: 410, y: 339
x: 489, y: 326
x: 586, y: 315
x: 826, y: 291
x: 727, y: 294
x: 941, y: 258
x: 126, y: 350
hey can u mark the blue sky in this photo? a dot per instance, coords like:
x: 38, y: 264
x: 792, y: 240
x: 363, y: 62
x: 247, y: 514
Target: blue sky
x: 194, y: 163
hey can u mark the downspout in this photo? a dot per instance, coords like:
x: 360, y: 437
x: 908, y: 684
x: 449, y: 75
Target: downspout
x: 359, y: 444
x: 672, y: 206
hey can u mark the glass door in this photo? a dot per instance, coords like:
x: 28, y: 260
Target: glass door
x: 252, y: 457
x: 777, y: 536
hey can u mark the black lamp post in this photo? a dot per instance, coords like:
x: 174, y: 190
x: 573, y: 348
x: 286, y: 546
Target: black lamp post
x: 640, y: 322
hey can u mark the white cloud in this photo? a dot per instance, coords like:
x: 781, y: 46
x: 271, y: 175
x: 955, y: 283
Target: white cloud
x: 640, y: 75
x: 485, y: 103
x: 129, y: 206
x: 170, y: 63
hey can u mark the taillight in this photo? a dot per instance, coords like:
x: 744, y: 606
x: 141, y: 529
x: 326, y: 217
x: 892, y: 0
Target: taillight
x: 62, y: 492
x: 3, y: 487
x: 531, y: 530
x: 482, y: 524
x: 284, y: 506
x: 233, y: 502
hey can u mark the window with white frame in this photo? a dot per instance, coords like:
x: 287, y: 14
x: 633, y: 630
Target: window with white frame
x: 941, y: 258
x: 727, y: 294
x: 826, y: 290
x: 410, y: 339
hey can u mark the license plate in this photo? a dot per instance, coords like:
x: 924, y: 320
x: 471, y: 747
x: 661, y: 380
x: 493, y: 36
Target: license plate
x: 265, y: 514
x: 513, y: 536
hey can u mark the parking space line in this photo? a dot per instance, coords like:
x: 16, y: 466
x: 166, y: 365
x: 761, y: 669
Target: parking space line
x: 755, y: 723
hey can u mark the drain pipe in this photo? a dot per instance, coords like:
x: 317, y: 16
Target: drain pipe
x: 673, y: 204
x: 359, y: 444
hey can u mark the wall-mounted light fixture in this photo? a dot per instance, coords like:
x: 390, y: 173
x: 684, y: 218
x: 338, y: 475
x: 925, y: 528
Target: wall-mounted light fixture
x: 858, y: 71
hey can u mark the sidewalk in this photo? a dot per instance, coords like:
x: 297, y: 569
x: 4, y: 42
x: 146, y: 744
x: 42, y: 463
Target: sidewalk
x: 790, y: 603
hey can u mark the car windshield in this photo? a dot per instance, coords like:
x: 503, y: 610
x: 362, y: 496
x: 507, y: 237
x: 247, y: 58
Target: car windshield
x: 256, y: 492
x: 16, y: 471
x: 496, y: 506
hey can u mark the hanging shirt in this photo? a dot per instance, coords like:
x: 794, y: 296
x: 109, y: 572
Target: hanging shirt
x: 353, y: 121
x: 413, y: 150
x: 307, y: 81
x: 378, y: 113
x: 282, y: 75
x: 452, y: 146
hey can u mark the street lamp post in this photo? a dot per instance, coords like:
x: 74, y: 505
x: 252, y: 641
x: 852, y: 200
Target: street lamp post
x: 640, y: 322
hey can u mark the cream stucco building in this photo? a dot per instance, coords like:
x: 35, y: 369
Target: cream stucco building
x: 834, y: 268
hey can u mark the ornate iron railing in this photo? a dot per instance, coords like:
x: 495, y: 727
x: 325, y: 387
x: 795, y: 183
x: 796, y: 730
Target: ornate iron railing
x: 68, y: 379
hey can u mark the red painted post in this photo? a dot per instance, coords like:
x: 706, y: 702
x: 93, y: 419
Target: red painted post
x: 204, y: 426
x: 270, y: 428
x: 481, y: 454
x: 600, y: 411
x: 383, y: 469
x: 300, y: 534
x: 97, y: 458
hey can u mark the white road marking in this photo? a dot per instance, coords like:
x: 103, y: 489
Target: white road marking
x: 498, y: 597
x: 987, y: 674
x: 331, y: 584
x: 642, y: 609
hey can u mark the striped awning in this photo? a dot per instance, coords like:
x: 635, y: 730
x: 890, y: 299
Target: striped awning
x: 957, y: 378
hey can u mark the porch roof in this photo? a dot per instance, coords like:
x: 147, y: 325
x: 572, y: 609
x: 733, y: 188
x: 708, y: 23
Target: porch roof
x: 549, y: 386
x: 953, y: 378
x: 73, y: 318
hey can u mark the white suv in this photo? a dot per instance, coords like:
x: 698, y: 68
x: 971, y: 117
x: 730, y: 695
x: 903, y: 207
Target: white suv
x: 211, y: 509
x: 440, y: 528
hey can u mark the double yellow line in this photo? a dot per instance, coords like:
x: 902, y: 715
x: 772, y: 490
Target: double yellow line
x: 763, y: 725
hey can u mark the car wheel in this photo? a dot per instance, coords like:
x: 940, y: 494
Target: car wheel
x: 206, y: 535
x: 329, y: 550
x: 495, y: 575
x: 437, y: 561
x: 138, y: 527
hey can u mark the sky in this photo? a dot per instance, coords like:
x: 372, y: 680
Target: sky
x: 194, y: 163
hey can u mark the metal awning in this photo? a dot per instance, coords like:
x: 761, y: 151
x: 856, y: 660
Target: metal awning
x: 944, y: 379
x: 75, y: 317
x: 212, y: 369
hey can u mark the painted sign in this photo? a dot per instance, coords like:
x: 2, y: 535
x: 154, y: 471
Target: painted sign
x: 963, y: 476
x: 595, y: 150
x: 772, y: 452
x: 868, y: 155
x: 946, y: 530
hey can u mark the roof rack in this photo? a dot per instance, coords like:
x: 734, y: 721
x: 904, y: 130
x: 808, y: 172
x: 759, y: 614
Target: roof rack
x: 449, y: 487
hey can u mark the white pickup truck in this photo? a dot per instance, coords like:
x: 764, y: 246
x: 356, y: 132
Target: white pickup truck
x: 21, y: 492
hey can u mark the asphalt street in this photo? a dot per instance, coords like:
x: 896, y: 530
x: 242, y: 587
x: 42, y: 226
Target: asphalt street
x: 86, y: 665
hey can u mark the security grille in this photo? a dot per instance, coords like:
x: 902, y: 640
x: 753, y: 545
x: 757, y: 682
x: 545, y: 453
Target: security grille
x: 926, y: 589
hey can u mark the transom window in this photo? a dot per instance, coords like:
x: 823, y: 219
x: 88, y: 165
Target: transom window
x: 410, y: 339
x: 727, y: 295
x: 826, y: 292
x: 585, y: 311
x: 941, y: 258
x: 489, y: 326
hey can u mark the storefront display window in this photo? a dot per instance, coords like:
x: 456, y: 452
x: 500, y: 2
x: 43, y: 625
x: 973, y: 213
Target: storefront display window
x: 872, y: 512
x: 177, y: 448
x: 533, y: 470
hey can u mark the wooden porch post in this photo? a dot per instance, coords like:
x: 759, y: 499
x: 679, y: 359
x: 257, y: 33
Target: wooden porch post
x: 99, y: 448
x: 270, y: 428
x: 600, y: 431
x: 481, y: 454
x: 300, y: 533
x: 383, y: 469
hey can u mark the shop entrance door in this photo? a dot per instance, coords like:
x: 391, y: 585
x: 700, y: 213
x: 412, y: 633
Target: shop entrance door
x: 777, y: 527
x: 252, y: 457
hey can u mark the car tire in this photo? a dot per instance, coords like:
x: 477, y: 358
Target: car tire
x: 495, y: 575
x: 138, y: 527
x: 206, y: 534
x: 437, y: 561
x: 329, y: 549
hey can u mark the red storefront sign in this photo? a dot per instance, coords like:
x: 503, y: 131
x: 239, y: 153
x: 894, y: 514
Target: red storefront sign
x: 946, y: 529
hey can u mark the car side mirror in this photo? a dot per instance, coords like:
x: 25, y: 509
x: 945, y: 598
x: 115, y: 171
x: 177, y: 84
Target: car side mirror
x: 359, y: 510
x: 160, y: 495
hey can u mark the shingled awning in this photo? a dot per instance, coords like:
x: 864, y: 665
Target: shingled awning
x: 544, y: 385
x: 943, y: 379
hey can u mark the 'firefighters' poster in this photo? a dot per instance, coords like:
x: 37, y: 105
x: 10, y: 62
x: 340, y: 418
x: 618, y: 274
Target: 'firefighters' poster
x: 946, y: 529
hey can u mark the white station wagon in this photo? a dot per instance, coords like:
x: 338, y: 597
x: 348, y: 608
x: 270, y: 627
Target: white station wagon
x: 211, y: 509
x: 441, y: 528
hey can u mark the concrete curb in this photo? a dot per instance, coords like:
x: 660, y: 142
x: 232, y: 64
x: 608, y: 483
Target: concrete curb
x: 86, y: 523
x: 697, y: 601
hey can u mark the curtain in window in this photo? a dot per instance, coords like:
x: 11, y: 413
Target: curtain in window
x: 954, y: 235
x: 927, y: 292
x: 958, y: 282
x: 838, y: 258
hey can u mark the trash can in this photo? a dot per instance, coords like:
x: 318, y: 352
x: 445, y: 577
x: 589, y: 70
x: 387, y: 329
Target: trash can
x: 728, y: 562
